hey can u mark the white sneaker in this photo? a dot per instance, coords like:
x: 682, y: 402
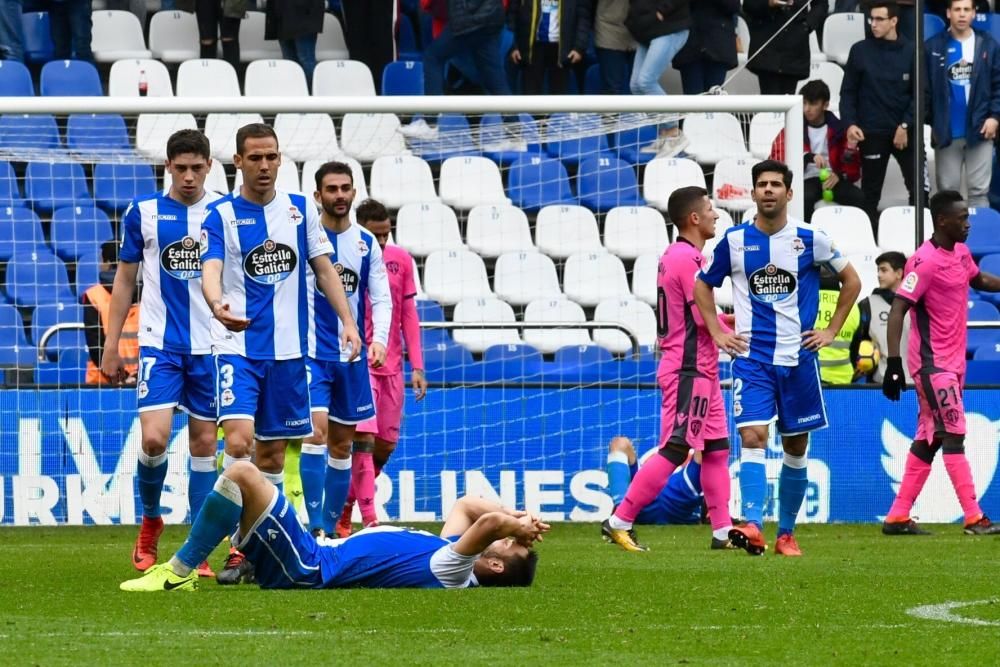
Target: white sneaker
x: 419, y: 129
x: 654, y: 147
x: 507, y: 145
x: 672, y: 145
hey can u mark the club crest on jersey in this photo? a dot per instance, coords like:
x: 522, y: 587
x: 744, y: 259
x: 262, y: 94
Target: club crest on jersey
x: 347, y: 277
x: 203, y: 242
x: 270, y: 262
x: 771, y: 284
x: 227, y: 398
x: 798, y: 247
x: 392, y: 266
x: 142, y: 389
x: 293, y: 215
x: 362, y: 248
x: 182, y: 259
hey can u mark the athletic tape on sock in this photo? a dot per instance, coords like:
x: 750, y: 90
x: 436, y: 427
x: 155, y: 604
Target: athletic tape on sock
x: 753, y: 455
x: 313, y: 449
x: 228, y: 460
x: 275, y: 478
x: 152, y: 461
x: 618, y: 457
x: 203, y: 463
x: 797, y: 462
x: 229, y: 490
x: 338, y: 464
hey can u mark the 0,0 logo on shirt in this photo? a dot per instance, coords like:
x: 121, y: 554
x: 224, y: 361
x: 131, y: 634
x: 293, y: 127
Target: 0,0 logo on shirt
x: 348, y: 277
x: 771, y: 284
x: 270, y: 262
x: 182, y: 259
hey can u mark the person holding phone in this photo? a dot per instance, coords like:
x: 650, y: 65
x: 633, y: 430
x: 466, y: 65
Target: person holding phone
x: 550, y: 39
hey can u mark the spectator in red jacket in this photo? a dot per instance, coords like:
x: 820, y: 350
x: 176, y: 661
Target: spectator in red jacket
x: 827, y: 153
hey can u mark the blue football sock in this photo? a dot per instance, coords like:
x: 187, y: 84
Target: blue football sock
x: 338, y: 484
x: 218, y: 517
x: 201, y: 479
x: 693, y: 472
x: 793, y: 483
x: 312, y: 469
x: 619, y: 475
x: 753, y: 485
x: 150, y: 473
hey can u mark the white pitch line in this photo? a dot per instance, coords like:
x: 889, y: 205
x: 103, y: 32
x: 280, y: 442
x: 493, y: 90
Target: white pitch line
x: 944, y: 612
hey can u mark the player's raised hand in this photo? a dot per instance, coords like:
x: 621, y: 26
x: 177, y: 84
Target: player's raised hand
x: 894, y: 380
x: 112, y: 365
x: 349, y: 339
x: 731, y: 343
x: 222, y: 313
x: 419, y: 381
x: 814, y: 339
x: 376, y: 355
x: 530, y: 530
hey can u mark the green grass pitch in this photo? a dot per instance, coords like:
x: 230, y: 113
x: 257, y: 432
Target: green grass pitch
x: 846, y: 602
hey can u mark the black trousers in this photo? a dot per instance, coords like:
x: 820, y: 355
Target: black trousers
x: 777, y: 84
x: 875, y: 152
x: 545, y: 61
x: 370, y: 33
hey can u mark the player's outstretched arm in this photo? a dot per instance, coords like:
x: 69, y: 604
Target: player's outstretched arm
x: 704, y: 298
x: 121, y: 300
x: 468, y: 509
x: 987, y: 282
x: 329, y: 283
x: 493, y: 526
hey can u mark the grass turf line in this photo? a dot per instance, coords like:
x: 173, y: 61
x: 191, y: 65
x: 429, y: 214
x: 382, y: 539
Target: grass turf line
x: 845, y: 602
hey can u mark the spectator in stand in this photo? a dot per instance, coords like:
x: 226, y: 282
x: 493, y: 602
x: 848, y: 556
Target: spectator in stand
x: 295, y: 25
x: 11, y: 35
x: 780, y: 61
x: 876, y: 103
x: 614, y: 45
x: 71, y: 28
x: 96, y: 310
x: 874, y: 310
x: 661, y: 29
x: 219, y: 18
x: 550, y: 39
x: 827, y: 153
x: 370, y: 33
x: 963, y: 86
x: 710, y: 50
x: 473, y: 28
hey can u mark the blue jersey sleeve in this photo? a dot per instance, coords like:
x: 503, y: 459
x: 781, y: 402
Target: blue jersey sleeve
x: 213, y: 244
x: 132, y: 243
x: 721, y: 265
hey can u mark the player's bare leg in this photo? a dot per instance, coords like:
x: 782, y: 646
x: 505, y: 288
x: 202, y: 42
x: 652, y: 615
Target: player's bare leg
x: 340, y: 438
x: 312, y: 468
x: 203, y: 443
x: 753, y: 489
x: 151, y: 473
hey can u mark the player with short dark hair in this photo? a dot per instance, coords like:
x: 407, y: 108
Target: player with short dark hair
x: 874, y: 310
x: 481, y: 544
x: 934, y: 290
x: 775, y: 265
x: 176, y: 366
x: 693, y: 415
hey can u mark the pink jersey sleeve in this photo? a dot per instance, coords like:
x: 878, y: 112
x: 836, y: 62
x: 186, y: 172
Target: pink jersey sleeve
x: 410, y: 321
x: 919, y: 273
x: 970, y: 264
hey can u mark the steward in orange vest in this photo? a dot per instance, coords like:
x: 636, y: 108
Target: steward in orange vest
x: 96, y: 306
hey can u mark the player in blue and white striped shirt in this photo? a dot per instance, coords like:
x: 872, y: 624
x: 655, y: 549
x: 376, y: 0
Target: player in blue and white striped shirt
x: 253, y: 248
x: 340, y: 389
x: 774, y: 263
x: 176, y: 368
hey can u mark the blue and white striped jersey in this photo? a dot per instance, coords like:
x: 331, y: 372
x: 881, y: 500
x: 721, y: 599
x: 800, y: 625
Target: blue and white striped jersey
x: 775, y: 285
x: 264, y: 249
x: 162, y: 233
x: 357, y: 258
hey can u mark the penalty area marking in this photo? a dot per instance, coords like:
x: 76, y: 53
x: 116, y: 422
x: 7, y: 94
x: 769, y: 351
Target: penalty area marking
x: 944, y: 612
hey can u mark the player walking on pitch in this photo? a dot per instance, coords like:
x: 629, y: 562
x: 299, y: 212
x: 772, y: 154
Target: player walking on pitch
x: 176, y: 367
x: 253, y: 245
x: 774, y: 263
x: 693, y: 415
x: 934, y: 292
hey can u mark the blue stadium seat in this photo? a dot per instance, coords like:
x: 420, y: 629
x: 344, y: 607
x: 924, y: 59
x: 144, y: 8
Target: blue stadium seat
x: 78, y: 231
x: 493, y: 136
x: 933, y: 24
x: 627, y: 143
x: 116, y: 185
x: 38, y: 277
x: 408, y: 47
x: 88, y: 272
x: 453, y: 140
x: 986, y: 312
x: 982, y: 371
x: 10, y: 193
x: 15, y: 80
x: 48, y: 315
x: 989, y: 349
x: 431, y: 311
x: 587, y: 136
x: 21, y: 132
x: 446, y: 361
x: 38, y: 46
x: 989, y: 264
x: 512, y: 363
x: 71, y: 369
x: 15, y: 350
x: 70, y: 78
x: 583, y: 364
x: 403, y: 77
x: 984, y: 231
x: 97, y: 133
x: 606, y: 182
x: 51, y: 185
x: 20, y: 232
x: 535, y: 181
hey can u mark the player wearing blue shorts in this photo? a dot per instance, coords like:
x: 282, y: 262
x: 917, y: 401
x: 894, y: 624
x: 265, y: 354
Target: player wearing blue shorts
x: 680, y: 501
x: 254, y: 246
x: 339, y: 386
x: 176, y: 369
x: 480, y: 544
x: 774, y: 263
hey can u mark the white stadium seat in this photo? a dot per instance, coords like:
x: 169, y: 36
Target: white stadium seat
x: 467, y: 182
x: 342, y: 78
x: 425, y: 228
x: 732, y: 183
x: 724, y: 222
x: 636, y: 316
x: 207, y: 77
x: 153, y: 129
x: 369, y: 136
x: 216, y: 181
x: 523, y: 277
x: 849, y: 227
x: 742, y: 82
x: 630, y: 231
x: 330, y: 44
x: 840, y: 32
x: 288, y: 178
x: 453, y: 275
x: 173, y: 36
x: 493, y: 230
x: 123, y: 80
x: 306, y: 136
x: 831, y: 74
x: 220, y: 128
x: 591, y: 277
x: 275, y: 78
x: 551, y: 338
x: 664, y: 175
x: 402, y: 179
x: 714, y: 136
x: 743, y: 34
x: 816, y: 54
x: 764, y: 129
x: 360, y: 189
x: 896, y: 229
x: 117, y: 35
x: 416, y: 280
x: 864, y: 264
x: 485, y: 309
x: 561, y: 231
x: 253, y: 46
x: 644, y: 273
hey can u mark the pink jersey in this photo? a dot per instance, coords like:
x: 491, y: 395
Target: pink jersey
x: 405, y: 323
x: 685, y: 343
x: 937, y: 285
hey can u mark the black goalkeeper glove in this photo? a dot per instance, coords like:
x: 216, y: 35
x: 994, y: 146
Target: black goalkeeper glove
x: 894, y: 380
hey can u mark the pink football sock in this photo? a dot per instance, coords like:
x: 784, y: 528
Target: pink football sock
x: 363, y: 481
x: 914, y: 476
x: 645, y: 486
x: 715, y: 485
x: 961, y: 478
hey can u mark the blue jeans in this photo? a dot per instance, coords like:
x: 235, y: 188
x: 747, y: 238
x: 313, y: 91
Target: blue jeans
x: 652, y: 61
x: 71, y: 28
x: 699, y: 76
x: 303, y: 51
x: 484, y: 47
x: 11, y: 35
x: 616, y: 70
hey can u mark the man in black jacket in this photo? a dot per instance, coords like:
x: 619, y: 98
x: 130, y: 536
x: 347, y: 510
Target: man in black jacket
x: 876, y: 103
x: 370, y: 33
x: 550, y: 38
x: 474, y: 28
x: 785, y: 60
x: 710, y: 50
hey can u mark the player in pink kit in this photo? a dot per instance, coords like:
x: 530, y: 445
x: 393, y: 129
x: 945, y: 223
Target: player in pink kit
x: 693, y: 415
x: 934, y: 291
x: 387, y: 380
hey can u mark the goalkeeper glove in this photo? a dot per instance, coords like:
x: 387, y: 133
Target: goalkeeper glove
x: 894, y: 380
